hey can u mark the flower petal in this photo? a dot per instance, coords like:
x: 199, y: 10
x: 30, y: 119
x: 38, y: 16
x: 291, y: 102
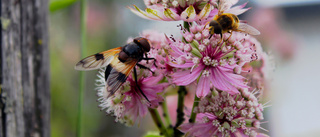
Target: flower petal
x: 204, y: 13
x: 237, y: 10
x: 185, y: 77
x: 234, y: 79
x: 154, y: 13
x: 189, y: 14
x: 170, y: 14
x: 141, y: 13
x: 203, y: 88
x: 219, y: 81
x: 185, y: 65
x: 185, y: 127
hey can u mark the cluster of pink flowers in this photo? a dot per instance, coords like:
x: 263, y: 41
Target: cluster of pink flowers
x: 219, y: 67
x: 223, y: 114
x: 217, y: 63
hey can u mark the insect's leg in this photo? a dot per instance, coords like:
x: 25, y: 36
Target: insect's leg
x: 146, y: 57
x: 229, y: 36
x: 154, y: 62
x: 135, y: 79
x: 210, y: 36
x: 221, y: 36
x: 144, y: 67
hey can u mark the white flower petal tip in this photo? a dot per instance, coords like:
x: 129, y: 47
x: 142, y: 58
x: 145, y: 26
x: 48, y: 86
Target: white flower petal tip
x: 171, y: 15
x: 189, y: 14
x: 204, y: 13
x: 139, y: 12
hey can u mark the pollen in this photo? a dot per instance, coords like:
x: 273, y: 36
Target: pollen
x: 206, y: 41
x: 232, y: 61
x: 128, y: 98
x: 195, y: 60
x: 202, y: 47
x: 205, y: 119
x: 180, y: 61
x: 215, y: 123
x: 207, y: 60
x: 223, y: 62
x: 175, y: 3
x: 220, y: 128
x: 187, y: 48
x: 214, y: 63
x: 198, y: 36
x: 206, y: 33
x: 206, y: 73
x: 188, y: 37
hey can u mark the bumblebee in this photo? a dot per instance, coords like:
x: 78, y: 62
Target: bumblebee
x: 227, y: 22
x: 119, y: 63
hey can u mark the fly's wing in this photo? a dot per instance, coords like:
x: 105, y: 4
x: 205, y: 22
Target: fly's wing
x: 117, y: 73
x: 225, y: 5
x: 222, y: 6
x: 98, y: 60
x: 245, y: 28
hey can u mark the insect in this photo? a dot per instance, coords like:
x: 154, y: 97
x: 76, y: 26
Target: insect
x: 228, y: 22
x: 119, y: 63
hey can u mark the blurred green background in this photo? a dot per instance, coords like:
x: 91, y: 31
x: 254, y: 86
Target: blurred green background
x: 289, y: 29
x: 109, y: 25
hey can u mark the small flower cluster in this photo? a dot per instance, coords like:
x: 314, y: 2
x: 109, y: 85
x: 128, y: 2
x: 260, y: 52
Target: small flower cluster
x: 220, y: 66
x: 223, y: 114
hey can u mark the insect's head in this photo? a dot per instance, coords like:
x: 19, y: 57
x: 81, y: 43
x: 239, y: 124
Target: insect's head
x: 215, y: 27
x: 143, y: 43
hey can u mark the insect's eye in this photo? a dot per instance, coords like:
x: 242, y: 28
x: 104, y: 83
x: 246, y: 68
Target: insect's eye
x: 143, y: 42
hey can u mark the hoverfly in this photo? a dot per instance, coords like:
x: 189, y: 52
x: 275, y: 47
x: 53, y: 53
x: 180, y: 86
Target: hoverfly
x: 228, y: 22
x: 119, y: 63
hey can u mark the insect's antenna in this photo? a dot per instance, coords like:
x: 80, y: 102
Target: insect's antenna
x: 135, y: 79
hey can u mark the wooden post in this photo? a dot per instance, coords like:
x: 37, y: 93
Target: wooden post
x: 24, y: 66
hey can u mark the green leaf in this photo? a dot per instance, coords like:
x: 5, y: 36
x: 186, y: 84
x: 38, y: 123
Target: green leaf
x: 153, y: 134
x: 60, y: 4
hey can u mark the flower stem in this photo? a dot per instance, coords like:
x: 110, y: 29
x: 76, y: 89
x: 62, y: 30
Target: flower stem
x: 83, y: 30
x: 180, y: 115
x: 195, y: 104
x: 166, y: 113
x: 186, y: 25
x: 157, y: 120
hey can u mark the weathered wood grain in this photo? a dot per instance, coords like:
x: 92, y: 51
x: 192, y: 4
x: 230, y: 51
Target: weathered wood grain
x: 24, y: 78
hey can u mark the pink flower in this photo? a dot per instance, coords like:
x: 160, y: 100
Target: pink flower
x: 186, y: 10
x: 127, y: 104
x: 225, y: 6
x: 167, y: 10
x: 223, y: 114
x: 211, y: 63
